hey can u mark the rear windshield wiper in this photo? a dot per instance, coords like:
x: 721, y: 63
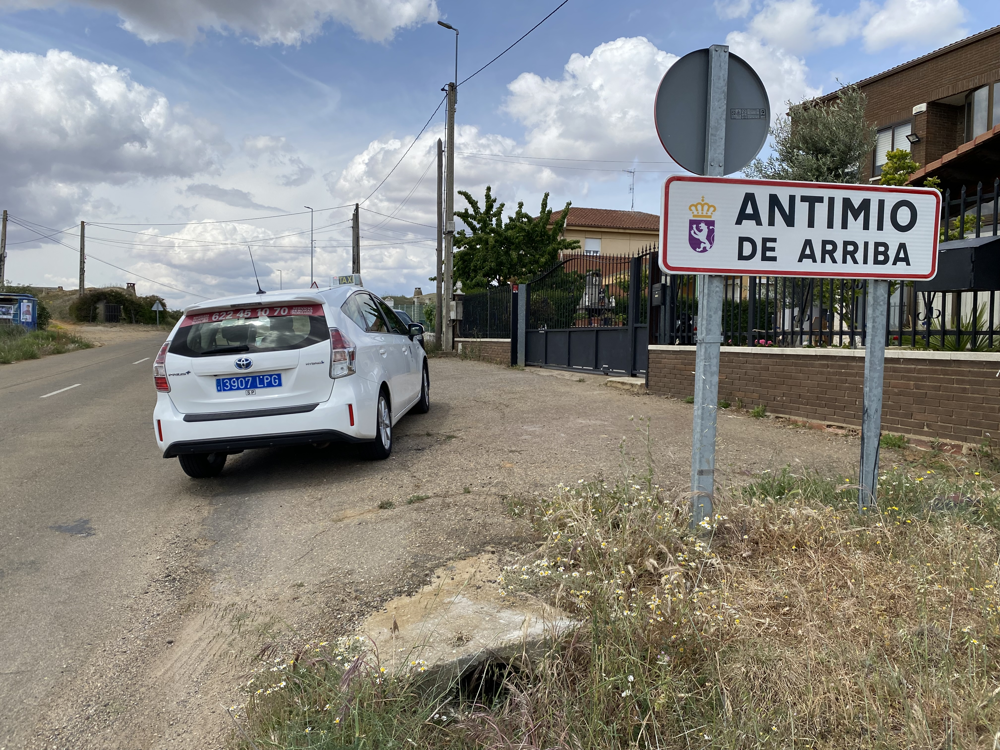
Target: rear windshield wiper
x: 229, y: 349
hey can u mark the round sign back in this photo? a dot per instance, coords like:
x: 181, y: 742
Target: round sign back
x: 681, y: 111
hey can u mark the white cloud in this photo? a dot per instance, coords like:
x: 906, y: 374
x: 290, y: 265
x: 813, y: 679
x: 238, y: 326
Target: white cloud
x: 915, y: 23
x: 257, y: 146
x: 783, y: 74
x: 733, y: 9
x: 68, y: 124
x: 602, y: 107
x: 288, y: 22
x: 798, y: 26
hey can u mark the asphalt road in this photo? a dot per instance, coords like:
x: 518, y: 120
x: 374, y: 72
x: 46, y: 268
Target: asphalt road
x: 82, y: 511
x: 132, y: 598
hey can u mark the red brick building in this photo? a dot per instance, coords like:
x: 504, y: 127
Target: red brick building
x: 945, y: 108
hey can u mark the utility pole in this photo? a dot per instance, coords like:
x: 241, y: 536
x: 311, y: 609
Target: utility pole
x: 83, y: 258
x: 356, y: 241
x: 311, y: 246
x: 438, y: 309
x: 449, y: 198
x: 3, y: 237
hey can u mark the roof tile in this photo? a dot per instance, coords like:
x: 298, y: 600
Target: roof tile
x: 605, y: 218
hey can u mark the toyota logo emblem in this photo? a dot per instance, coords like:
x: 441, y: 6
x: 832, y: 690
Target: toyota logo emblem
x: 244, y: 363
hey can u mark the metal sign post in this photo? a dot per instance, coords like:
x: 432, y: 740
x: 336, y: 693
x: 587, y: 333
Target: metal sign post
x: 710, y: 293
x: 157, y: 307
x: 871, y: 415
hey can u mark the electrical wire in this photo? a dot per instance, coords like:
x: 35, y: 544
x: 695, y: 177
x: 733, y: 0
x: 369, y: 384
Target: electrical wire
x: 394, y: 218
x: 409, y: 194
x: 515, y: 43
x: 560, y: 166
x: 107, y: 263
x: 429, y: 119
x: 559, y: 158
x: 214, y: 221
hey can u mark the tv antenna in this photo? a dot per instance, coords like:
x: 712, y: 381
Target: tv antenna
x: 254, y: 266
x: 631, y: 188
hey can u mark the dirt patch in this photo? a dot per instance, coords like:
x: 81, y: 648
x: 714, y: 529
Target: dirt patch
x: 292, y: 543
x: 104, y: 334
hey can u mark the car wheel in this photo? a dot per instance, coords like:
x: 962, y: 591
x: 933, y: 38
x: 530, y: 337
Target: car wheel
x: 424, y: 404
x: 202, y: 465
x: 381, y: 447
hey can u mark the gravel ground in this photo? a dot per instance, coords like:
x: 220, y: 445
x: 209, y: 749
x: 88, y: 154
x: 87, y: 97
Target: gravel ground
x: 292, y: 543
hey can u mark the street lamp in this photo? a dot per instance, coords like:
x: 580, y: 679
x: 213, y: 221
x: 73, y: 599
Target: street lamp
x: 449, y: 210
x: 311, y: 213
x: 452, y: 28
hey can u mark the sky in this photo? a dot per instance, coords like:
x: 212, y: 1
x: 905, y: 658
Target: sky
x: 182, y: 131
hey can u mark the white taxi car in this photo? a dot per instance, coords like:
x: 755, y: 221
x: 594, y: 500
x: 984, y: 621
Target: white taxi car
x: 285, y: 368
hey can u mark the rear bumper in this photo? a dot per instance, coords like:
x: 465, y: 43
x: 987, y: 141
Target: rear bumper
x: 239, y: 444
x: 233, y: 432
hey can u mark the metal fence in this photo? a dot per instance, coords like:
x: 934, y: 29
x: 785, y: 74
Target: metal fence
x: 486, y: 314
x: 414, y: 309
x: 582, y: 291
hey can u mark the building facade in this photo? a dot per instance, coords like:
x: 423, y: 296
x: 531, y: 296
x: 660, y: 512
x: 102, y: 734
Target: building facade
x: 944, y: 107
x: 602, y: 231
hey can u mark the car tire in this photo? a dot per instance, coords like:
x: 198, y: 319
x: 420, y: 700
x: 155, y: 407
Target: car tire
x: 424, y: 404
x: 380, y: 448
x: 202, y: 465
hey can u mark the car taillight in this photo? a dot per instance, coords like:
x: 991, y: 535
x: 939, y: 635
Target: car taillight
x: 342, y: 354
x: 160, y: 369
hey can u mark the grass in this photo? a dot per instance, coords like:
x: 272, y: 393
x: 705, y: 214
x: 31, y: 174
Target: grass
x: 724, y: 404
x: 893, y: 441
x: 386, y: 505
x: 789, y: 620
x: 759, y: 411
x: 689, y: 400
x: 412, y: 499
x: 18, y: 344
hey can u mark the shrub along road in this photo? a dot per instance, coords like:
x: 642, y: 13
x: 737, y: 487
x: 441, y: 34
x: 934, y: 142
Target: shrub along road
x: 134, y: 597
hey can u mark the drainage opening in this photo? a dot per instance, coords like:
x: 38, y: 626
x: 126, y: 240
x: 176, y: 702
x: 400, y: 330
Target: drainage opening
x: 488, y: 682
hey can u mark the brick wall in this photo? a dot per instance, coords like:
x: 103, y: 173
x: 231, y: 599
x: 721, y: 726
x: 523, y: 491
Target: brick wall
x: 496, y: 351
x: 951, y: 396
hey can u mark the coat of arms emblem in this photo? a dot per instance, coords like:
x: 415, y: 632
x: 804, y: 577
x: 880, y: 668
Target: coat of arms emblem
x: 701, y: 228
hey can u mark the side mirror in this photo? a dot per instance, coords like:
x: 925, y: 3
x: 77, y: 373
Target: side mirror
x: 415, y: 330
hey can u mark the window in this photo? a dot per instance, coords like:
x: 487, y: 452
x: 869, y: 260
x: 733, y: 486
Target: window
x: 977, y: 112
x: 352, y: 309
x: 395, y: 324
x: 255, y: 330
x: 592, y: 246
x: 373, y: 318
x: 890, y: 139
x: 996, y: 104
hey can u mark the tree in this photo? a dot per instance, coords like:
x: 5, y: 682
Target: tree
x: 497, y: 251
x: 898, y: 167
x: 820, y: 142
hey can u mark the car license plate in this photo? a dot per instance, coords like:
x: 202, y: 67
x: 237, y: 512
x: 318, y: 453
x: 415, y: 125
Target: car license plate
x: 247, y: 383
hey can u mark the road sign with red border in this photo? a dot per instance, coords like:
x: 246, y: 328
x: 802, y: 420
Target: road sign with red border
x: 726, y: 226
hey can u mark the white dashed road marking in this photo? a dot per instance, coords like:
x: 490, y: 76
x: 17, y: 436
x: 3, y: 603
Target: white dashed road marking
x: 68, y: 388
x: 140, y: 361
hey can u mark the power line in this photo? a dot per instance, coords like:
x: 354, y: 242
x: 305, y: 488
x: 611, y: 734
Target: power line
x: 214, y: 221
x: 101, y: 260
x: 209, y: 243
x: 394, y: 218
x: 409, y: 194
x: 429, y: 119
x: 559, y: 158
x: 515, y: 43
x: 560, y: 166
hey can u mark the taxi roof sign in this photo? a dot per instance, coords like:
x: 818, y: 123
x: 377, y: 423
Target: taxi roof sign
x: 353, y: 279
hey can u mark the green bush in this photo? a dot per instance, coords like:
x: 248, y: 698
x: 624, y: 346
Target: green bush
x: 134, y: 309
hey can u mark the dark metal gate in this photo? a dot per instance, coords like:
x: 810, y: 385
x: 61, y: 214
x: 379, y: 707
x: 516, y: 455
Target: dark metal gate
x: 591, y: 313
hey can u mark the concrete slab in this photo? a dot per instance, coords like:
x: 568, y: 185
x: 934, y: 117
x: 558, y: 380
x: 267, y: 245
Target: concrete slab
x: 460, y: 620
x: 633, y: 385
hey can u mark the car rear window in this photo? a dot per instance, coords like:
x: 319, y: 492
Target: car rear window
x: 257, y: 329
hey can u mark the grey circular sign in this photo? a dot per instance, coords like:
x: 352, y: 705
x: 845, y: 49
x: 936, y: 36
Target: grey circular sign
x: 681, y: 111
